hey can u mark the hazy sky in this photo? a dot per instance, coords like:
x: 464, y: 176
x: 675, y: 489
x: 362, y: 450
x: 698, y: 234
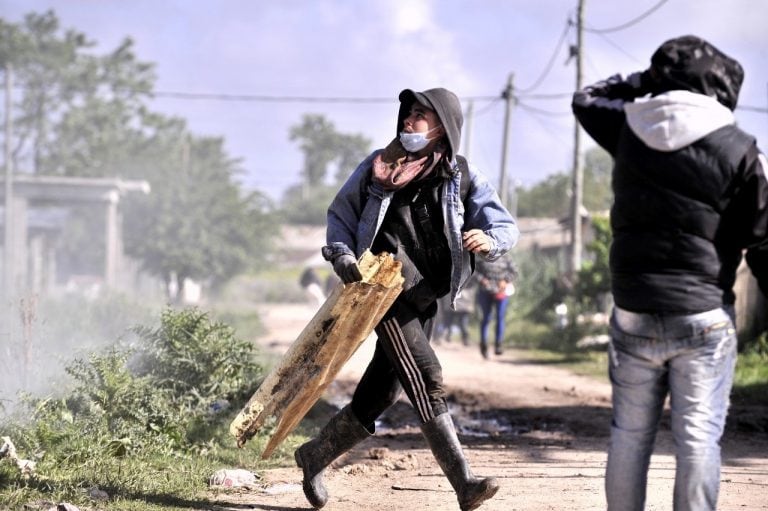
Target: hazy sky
x: 262, y: 55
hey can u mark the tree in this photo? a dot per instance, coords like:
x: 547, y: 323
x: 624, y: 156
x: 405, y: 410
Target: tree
x: 317, y: 139
x: 80, y: 114
x: 351, y: 149
x: 196, y: 223
x: 594, y: 277
x: 545, y: 199
x: 598, y: 194
x: 548, y: 198
x: 57, y: 78
x: 323, y: 147
x: 295, y: 209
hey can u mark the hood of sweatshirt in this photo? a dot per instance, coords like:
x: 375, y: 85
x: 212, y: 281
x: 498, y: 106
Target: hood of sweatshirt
x: 676, y: 119
x: 447, y: 106
x: 693, y: 64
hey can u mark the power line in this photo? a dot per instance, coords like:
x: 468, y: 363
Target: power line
x: 266, y: 99
x: 562, y: 95
x: 262, y: 98
x: 536, y: 115
x: 629, y: 23
x: 551, y: 62
x: 622, y: 50
x: 493, y: 100
x: 593, y: 67
x: 554, y: 95
x: 544, y: 112
x: 487, y: 107
x: 569, y: 23
x: 757, y: 109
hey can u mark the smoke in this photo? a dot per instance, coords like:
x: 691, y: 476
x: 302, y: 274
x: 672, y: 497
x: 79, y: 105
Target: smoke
x: 40, y: 337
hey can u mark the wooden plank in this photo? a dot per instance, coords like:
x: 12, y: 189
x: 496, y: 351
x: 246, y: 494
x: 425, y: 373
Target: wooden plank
x: 314, y: 359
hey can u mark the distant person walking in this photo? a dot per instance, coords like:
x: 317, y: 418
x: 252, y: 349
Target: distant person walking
x: 495, y: 284
x: 690, y: 196
x: 312, y: 284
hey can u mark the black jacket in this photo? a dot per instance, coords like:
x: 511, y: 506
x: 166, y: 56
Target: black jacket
x: 690, y: 194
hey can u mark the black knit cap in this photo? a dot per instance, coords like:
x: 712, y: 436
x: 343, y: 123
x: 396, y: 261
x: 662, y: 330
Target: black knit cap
x: 445, y: 104
x: 691, y: 63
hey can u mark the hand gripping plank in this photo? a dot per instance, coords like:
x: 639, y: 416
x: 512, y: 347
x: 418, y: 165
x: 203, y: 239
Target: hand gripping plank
x: 314, y: 359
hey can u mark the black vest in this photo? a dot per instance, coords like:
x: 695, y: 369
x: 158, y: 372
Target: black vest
x: 672, y: 251
x: 413, y: 231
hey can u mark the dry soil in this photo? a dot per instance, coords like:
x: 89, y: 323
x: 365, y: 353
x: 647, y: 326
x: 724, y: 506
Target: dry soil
x: 538, y: 428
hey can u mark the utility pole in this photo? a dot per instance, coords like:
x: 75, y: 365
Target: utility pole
x: 467, y: 131
x: 8, y: 263
x: 578, y: 171
x: 503, y: 183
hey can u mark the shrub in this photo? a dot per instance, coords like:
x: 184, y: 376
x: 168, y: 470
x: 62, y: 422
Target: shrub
x: 196, y: 360
x: 153, y: 394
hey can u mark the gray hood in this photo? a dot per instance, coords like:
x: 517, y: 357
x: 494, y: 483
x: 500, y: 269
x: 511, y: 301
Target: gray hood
x: 676, y: 119
x: 444, y: 103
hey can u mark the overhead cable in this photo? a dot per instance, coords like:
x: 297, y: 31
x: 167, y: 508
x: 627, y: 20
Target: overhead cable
x: 551, y: 62
x: 493, y: 100
x: 487, y: 107
x: 757, y: 109
x: 554, y: 95
x: 288, y: 99
x: 622, y: 50
x: 541, y: 111
x: 627, y: 24
x: 267, y: 99
x: 537, y: 116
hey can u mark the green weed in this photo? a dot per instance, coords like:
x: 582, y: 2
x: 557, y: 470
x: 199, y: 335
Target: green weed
x: 147, y: 423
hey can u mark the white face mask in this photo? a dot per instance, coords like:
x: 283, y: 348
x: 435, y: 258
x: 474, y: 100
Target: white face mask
x: 415, y: 142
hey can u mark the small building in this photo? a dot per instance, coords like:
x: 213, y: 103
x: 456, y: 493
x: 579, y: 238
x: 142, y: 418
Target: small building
x: 39, y: 206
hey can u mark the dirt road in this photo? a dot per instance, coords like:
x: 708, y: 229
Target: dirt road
x: 539, y: 429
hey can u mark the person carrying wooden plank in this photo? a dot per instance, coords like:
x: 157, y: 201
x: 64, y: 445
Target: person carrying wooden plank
x: 418, y: 200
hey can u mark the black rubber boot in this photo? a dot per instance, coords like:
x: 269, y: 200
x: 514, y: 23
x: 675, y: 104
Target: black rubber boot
x: 471, y: 491
x: 341, y: 433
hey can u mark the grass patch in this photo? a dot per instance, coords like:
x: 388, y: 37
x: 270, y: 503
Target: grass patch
x: 142, y: 482
x: 750, y: 385
x: 147, y: 424
x: 247, y: 324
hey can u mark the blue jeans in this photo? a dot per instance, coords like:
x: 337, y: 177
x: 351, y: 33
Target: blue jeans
x: 488, y: 305
x: 691, y: 358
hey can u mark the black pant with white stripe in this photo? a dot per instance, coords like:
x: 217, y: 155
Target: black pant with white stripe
x: 403, y: 360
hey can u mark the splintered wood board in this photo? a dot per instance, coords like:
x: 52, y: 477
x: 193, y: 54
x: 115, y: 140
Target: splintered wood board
x: 314, y: 359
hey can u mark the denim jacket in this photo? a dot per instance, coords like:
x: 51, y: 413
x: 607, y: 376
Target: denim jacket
x: 357, y: 211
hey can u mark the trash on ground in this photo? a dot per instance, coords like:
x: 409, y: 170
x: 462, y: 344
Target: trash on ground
x: 8, y: 450
x: 233, y: 478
